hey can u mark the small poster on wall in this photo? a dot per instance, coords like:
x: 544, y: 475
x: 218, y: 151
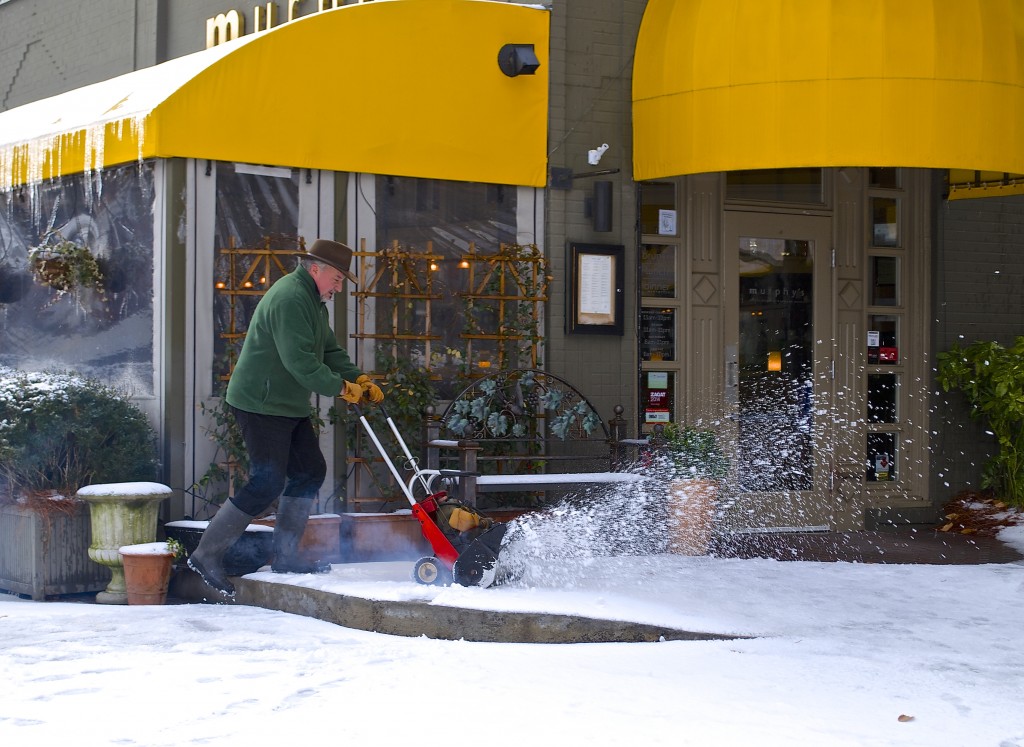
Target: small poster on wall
x: 882, y: 466
x: 656, y: 397
x: 667, y: 222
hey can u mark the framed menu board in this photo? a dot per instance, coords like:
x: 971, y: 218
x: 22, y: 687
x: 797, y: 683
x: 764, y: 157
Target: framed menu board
x: 596, y: 294
x: 657, y: 334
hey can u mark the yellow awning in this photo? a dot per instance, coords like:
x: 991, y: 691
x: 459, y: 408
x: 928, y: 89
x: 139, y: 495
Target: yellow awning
x: 721, y: 85
x: 404, y: 87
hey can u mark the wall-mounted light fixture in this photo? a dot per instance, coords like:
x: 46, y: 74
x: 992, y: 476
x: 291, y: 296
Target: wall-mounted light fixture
x: 774, y: 360
x: 518, y: 59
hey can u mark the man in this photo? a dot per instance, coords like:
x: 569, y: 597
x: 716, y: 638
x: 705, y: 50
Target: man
x: 289, y: 352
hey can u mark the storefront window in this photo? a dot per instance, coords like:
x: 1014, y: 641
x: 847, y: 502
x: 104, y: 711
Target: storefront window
x: 657, y: 334
x: 884, y: 178
x: 881, y: 457
x: 775, y: 185
x: 658, y: 209
x: 885, y: 221
x: 102, y: 330
x: 256, y: 231
x: 882, y: 398
x: 451, y: 221
x: 658, y: 271
x: 883, y: 340
x: 884, y: 289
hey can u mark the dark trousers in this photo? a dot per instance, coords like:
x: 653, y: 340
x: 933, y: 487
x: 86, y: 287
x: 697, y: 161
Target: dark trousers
x: 284, y: 458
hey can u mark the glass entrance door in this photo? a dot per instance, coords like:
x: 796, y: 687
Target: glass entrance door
x: 778, y: 368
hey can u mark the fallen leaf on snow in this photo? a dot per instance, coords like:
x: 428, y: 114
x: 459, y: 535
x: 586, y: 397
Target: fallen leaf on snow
x: 904, y: 718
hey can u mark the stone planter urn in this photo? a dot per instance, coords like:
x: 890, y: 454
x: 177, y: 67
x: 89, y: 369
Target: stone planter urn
x: 122, y: 513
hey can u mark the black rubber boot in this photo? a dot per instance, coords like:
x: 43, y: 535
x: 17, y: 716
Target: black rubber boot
x: 292, y: 515
x: 208, y: 558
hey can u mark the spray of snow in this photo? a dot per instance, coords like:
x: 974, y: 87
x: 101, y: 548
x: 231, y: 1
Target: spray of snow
x: 548, y: 548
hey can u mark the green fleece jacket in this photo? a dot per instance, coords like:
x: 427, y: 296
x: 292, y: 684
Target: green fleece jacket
x: 289, y: 351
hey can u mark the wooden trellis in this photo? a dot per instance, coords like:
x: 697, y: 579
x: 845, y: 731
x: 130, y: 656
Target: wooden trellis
x: 509, y: 288
x: 513, y: 283
x: 249, y: 271
x: 406, y: 277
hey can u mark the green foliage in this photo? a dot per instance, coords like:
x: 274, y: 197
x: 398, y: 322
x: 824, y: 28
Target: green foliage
x: 60, y: 431
x: 174, y: 546
x: 408, y: 390
x: 991, y: 377
x: 65, y: 266
x: 694, y: 452
x: 227, y: 436
x: 517, y: 408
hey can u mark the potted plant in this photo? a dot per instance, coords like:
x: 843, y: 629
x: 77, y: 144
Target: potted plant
x: 696, y: 466
x: 147, y: 570
x: 60, y: 431
x: 65, y: 266
x: 991, y: 377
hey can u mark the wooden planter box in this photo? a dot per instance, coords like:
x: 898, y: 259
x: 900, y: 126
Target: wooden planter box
x: 320, y: 541
x: 379, y: 537
x: 48, y: 554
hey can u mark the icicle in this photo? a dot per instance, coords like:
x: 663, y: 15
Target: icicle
x: 43, y: 156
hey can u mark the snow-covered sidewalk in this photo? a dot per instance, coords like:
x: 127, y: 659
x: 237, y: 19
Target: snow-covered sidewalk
x: 845, y: 654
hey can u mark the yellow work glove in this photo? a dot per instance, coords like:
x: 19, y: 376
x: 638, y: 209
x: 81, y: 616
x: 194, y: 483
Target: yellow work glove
x: 371, y: 390
x: 351, y: 393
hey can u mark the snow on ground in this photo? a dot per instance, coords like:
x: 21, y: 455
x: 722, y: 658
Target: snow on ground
x: 842, y: 654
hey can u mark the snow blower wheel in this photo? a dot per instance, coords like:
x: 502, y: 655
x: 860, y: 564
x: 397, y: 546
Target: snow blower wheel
x: 431, y: 571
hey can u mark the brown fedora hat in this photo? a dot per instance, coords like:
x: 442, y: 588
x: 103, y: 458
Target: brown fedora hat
x: 333, y: 253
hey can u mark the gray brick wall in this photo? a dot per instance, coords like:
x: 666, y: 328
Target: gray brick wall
x: 50, y: 46
x: 591, y: 66
x: 979, y: 295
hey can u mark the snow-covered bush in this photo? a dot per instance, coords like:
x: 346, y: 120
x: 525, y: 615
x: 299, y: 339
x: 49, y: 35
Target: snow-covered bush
x: 60, y: 431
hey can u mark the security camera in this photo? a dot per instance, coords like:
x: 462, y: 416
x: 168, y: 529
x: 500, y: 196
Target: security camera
x: 594, y: 156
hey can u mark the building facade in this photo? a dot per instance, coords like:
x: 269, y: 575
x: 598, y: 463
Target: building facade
x: 778, y: 180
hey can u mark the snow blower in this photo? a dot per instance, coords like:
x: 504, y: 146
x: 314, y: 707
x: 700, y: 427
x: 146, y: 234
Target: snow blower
x: 466, y: 544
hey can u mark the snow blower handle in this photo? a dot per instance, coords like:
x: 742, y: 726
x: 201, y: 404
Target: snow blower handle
x: 412, y: 461
x: 380, y: 449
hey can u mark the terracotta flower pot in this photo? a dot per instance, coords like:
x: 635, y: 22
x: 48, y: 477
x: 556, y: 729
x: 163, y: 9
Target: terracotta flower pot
x: 691, y: 515
x: 147, y: 572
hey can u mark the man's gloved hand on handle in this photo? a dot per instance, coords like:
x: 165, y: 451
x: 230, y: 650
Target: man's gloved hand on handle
x: 351, y: 393
x: 371, y: 390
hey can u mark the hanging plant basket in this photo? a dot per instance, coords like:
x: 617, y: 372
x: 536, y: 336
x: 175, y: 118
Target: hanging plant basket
x: 66, y: 266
